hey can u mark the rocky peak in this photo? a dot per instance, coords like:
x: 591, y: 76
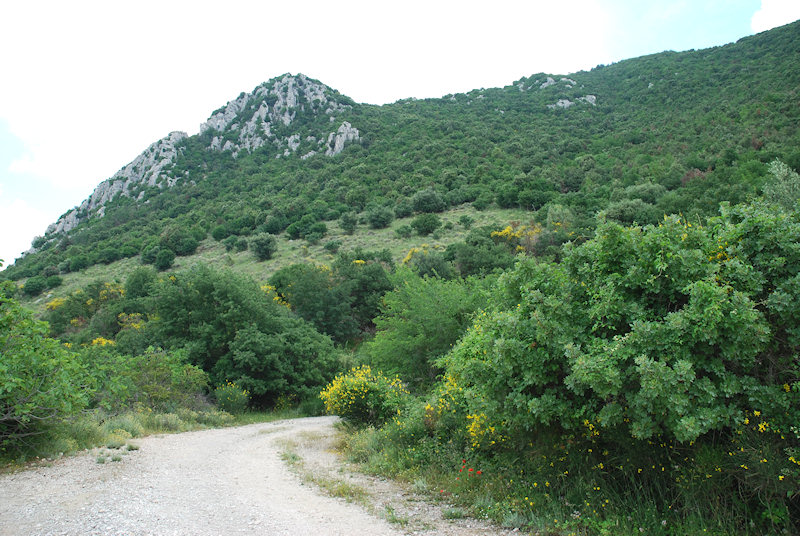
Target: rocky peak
x: 268, y: 116
x: 256, y: 119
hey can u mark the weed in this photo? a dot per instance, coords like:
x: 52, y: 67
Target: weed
x: 393, y: 518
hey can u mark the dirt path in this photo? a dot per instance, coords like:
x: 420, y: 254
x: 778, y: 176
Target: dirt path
x: 225, y: 481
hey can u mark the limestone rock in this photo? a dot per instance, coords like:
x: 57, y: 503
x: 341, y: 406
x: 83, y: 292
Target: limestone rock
x: 337, y: 140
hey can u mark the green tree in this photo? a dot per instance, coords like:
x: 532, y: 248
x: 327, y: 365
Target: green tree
x: 40, y: 380
x: 419, y: 322
x: 235, y: 331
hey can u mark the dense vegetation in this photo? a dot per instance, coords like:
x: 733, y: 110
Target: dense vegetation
x: 623, y: 359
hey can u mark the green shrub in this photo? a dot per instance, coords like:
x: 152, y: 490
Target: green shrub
x: 363, y: 396
x: 380, y: 217
x: 41, y: 382
x: 263, y: 246
x: 34, y: 285
x: 428, y: 200
x: 164, y: 259
x: 231, y: 398
x: 425, y: 224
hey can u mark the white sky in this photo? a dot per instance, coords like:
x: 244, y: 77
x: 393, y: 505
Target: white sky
x: 88, y: 85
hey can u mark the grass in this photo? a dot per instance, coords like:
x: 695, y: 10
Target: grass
x: 211, y: 252
x: 334, y: 487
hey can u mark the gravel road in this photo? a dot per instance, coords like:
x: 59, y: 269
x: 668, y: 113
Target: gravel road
x: 212, y: 482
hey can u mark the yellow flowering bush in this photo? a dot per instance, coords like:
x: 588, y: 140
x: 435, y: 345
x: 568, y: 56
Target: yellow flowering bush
x: 231, y: 397
x: 364, y: 396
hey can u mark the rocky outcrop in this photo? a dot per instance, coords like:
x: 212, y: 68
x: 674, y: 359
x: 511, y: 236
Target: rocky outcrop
x: 337, y: 140
x: 145, y: 170
x: 246, y: 123
x: 252, y: 119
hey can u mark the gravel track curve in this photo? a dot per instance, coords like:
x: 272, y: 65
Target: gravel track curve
x: 210, y: 482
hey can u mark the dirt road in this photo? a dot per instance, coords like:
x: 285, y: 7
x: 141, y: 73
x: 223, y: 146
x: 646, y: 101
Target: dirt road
x: 214, y: 482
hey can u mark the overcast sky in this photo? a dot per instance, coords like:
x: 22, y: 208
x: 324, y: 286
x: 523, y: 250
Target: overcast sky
x: 87, y: 86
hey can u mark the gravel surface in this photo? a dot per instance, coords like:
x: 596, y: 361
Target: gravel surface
x: 213, y: 482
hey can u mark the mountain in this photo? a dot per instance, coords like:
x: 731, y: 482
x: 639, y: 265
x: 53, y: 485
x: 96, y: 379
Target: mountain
x: 256, y: 120
x: 660, y: 134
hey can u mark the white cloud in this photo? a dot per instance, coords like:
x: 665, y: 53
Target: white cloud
x: 775, y: 13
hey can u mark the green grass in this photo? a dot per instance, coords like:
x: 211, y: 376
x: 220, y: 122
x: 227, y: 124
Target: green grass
x: 211, y: 252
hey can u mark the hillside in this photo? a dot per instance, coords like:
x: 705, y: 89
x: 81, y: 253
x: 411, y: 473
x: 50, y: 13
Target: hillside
x: 660, y: 134
x: 581, y: 287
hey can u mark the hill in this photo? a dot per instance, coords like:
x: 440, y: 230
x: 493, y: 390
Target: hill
x: 660, y: 134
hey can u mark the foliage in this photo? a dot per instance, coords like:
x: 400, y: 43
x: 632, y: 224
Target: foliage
x: 40, y: 381
x: 784, y: 187
x: 231, y: 398
x: 340, y: 300
x: 164, y: 259
x: 156, y: 379
x: 427, y: 200
x: 380, y: 217
x: 363, y: 396
x: 419, y: 322
x: 425, y: 224
x: 35, y: 285
x: 237, y: 332
x: 263, y: 246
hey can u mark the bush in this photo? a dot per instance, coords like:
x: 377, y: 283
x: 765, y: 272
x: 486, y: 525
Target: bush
x: 363, y: 396
x: 236, y: 331
x: 428, y: 200
x: 348, y: 222
x: 404, y: 231
x: 164, y: 259
x: 34, y: 286
x: 40, y: 381
x: 380, y: 217
x: 425, y: 224
x: 231, y: 398
x: 263, y: 246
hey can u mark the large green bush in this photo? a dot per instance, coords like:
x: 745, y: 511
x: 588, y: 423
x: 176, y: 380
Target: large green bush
x: 419, y: 322
x: 674, y: 330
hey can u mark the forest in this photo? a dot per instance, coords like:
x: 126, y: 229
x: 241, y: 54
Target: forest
x: 570, y: 318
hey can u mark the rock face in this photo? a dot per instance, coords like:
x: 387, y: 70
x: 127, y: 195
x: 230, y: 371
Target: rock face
x: 146, y: 169
x: 254, y: 119
x: 288, y: 113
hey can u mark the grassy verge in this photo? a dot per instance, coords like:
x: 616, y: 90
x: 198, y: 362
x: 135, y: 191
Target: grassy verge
x: 563, y: 485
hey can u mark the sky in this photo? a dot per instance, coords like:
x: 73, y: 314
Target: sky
x: 88, y: 85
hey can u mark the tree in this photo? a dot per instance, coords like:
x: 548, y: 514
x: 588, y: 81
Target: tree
x: 34, y: 286
x: 348, y: 222
x: 379, y: 217
x: 419, y: 321
x: 40, y: 381
x: 235, y: 331
x: 428, y: 200
x: 263, y: 246
x: 164, y: 259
